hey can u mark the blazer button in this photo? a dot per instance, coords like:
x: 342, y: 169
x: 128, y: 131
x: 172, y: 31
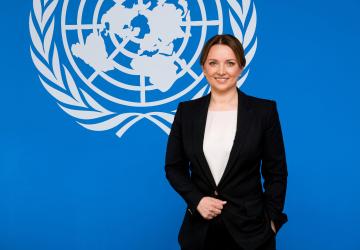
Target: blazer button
x: 216, y: 193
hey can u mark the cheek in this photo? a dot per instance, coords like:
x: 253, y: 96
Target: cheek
x: 208, y: 71
x: 235, y: 72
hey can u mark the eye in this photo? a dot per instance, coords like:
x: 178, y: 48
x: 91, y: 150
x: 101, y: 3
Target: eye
x: 212, y: 63
x: 231, y: 63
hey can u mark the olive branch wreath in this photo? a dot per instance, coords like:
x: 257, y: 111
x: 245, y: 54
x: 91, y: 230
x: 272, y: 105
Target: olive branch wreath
x: 76, y: 102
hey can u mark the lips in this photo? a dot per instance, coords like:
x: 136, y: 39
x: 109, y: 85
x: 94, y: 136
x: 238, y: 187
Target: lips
x: 221, y: 79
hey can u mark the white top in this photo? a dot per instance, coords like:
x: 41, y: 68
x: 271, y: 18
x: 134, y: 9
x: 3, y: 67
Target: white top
x: 218, y: 140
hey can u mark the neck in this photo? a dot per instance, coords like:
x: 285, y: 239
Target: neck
x: 225, y: 100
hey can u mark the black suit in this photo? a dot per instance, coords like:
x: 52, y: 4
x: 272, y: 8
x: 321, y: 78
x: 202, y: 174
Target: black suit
x: 258, y: 142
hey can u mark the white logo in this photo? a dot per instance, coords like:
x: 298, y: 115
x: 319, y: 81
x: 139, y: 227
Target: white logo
x: 121, y: 61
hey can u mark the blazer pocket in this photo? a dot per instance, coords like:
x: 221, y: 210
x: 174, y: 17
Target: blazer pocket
x: 254, y: 208
x: 251, y: 218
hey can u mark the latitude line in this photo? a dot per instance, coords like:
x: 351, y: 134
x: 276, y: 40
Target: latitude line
x: 187, y: 68
x: 100, y: 26
x: 83, y: 26
x: 201, y: 23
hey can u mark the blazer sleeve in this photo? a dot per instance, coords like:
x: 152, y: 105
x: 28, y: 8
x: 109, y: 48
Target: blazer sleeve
x: 177, y: 164
x: 274, y: 169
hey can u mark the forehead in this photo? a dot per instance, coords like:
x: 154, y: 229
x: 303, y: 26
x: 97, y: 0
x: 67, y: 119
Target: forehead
x: 221, y: 52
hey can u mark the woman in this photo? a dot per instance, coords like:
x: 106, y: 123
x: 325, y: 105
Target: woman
x: 218, y: 148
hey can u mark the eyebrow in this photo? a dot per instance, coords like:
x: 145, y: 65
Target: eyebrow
x: 211, y: 59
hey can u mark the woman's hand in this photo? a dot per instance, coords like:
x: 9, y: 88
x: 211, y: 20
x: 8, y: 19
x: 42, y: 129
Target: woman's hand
x: 273, y: 226
x: 210, y: 207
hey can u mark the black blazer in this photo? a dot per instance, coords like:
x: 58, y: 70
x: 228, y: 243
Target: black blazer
x: 258, y: 142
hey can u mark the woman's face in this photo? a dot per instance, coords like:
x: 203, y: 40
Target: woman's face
x: 221, y: 68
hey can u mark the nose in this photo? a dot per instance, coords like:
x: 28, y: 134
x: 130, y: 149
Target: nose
x: 221, y: 69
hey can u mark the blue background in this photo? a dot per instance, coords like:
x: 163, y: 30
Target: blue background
x: 65, y: 187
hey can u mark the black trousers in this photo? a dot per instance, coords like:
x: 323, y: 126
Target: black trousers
x: 218, y: 238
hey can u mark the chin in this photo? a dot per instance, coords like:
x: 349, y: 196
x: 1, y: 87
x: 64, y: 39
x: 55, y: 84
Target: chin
x: 222, y: 88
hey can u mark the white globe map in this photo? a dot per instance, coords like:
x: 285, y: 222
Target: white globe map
x: 145, y: 25
x: 121, y: 61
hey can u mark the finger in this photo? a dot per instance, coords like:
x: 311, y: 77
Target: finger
x: 211, y: 202
x: 218, y: 201
x: 217, y: 205
x: 209, y: 217
x: 215, y: 211
x: 214, y: 215
x: 206, y: 216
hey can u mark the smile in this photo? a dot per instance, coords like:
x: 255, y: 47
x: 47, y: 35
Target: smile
x: 222, y: 79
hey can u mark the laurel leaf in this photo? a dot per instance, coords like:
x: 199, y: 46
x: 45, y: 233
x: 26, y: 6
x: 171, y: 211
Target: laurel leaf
x: 94, y: 104
x: 35, y: 37
x: 48, y: 38
x: 56, y: 68
x: 72, y: 87
x: 60, y: 96
x: 110, y: 123
x: 166, y: 116
x: 246, y: 6
x: 209, y: 90
x: 242, y: 79
x: 250, y: 55
x: 38, y: 11
x: 83, y: 114
x: 236, y: 7
x: 49, y: 11
x: 250, y: 31
x: 159, y: 124
x: 236, y: 28
x: 124, y: 128
x: 200, y: 93
x: 42, y: 68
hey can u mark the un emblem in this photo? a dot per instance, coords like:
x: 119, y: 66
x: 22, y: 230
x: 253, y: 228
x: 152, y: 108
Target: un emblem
x: 111, y: 63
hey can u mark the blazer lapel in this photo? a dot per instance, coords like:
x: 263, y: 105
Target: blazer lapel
x: 244, y: 119
x: 242, y: 126
x: 198, y: 138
